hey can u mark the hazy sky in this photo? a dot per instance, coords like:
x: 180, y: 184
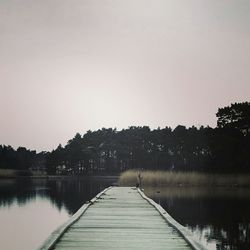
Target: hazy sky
x: 68, y: 66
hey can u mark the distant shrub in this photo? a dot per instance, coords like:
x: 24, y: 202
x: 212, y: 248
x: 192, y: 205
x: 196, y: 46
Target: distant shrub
x: 23, y: 173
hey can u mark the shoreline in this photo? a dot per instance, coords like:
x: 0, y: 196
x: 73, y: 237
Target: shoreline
x: 61, y: 177
x: 15, y: 174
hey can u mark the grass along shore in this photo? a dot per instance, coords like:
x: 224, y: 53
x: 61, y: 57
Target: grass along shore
x: 5, y: 173
x: 167, y: 178
x: 13, y: 173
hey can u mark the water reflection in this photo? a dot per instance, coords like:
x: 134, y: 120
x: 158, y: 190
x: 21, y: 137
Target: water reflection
x: 220, y: 216
x: 68, y: 192
x: 30, y: 209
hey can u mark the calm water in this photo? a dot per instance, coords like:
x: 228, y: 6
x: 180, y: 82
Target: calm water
x: 31, y: 209
x: 220, y: 217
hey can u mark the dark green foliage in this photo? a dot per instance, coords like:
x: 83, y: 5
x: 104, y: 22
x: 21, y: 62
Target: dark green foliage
x: 235, y: 116
x: 21, y: 159
x: 222, y: 149
x: 183, y: 149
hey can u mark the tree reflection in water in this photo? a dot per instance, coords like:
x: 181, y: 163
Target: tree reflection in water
x: 221, y: 215
x: 27, y: 203
x: 68, y: 192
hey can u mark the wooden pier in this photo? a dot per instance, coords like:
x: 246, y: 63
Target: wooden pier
x: 121, y: 218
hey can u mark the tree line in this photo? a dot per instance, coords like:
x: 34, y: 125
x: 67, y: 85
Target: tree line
x: 223, y: 149
x: 22, y: 159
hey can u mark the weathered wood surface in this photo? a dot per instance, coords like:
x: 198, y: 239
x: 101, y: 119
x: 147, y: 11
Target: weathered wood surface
x: 122, y: 218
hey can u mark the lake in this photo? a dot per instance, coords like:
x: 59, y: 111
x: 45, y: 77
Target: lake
x: 30, y: 209
x: 219, y: 217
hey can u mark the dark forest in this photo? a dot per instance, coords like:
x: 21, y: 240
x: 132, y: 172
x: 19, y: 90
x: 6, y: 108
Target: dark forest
x: 224, y: 149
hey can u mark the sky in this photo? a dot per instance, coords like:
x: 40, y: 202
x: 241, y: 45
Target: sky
x: 69, y: 66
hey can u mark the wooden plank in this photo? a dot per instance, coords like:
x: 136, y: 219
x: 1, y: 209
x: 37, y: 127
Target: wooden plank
x: 187, y: 235
x: 121, y: 218
x: 54, y: 237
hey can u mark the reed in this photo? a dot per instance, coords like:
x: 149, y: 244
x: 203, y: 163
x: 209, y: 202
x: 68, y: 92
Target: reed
x: 167, y: 178
x: 13, y: 173
x: 4, y: 173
